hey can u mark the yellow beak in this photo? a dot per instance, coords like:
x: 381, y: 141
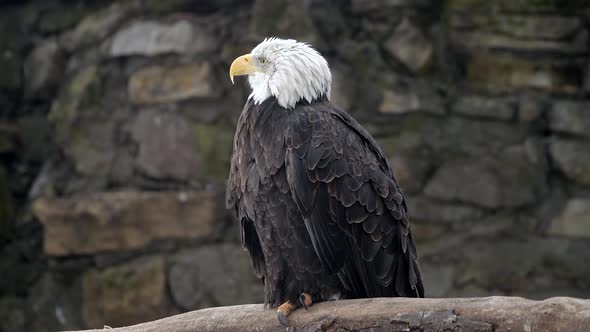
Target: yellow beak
x: 242, y: 66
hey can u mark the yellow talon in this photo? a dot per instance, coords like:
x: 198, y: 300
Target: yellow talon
x: 284, y: 310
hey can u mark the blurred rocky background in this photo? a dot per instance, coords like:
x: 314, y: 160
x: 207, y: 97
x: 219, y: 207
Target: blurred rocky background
x: 117, y: 119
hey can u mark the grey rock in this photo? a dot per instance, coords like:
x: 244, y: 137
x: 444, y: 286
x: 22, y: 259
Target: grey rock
x: 438, y: 280
x: 160, y: 84
x: 96, y: 27
x: 14, y: 40
x: 572, y: 117
x: 213, y: 275
x: 73, y: 100
x: 507, y: 180
x: 410, y: 170
x: 538, y: 26
x: 410, y: 46
x: 22, y: 263
x: 8, y: 139
x: 342, y: 94
x: 425, y: 209
x: 10, y: 66
x: 477, y: 39
x: 521, y: 26
x: 494, y: 108
x: 447, y: 138
x: 125, y: 294
x: 123, y: 165
x: 13, y: 314
x: 43, y: 70
x: 214, y: 145
x: 284, y: 18
x: 467, y: 182
x: 504, y: 72
x: 574, y: 220
x: 507, y: 263
x: 167, y: 147
x: 408, y: 96
x: 35, y: 138
x: 58, y: 17
x: 572, y: 157
x: 362, y: 6
x: 436, y: 139
x: 429, y: 232
x: 124, y: 220
x: 92, y: 151
x: 153, y: 38
x: 54, y: 303
x: 532, y: 108
x: 411, y: 161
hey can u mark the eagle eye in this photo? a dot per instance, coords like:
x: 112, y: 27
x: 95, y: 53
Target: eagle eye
x: 263, y: 60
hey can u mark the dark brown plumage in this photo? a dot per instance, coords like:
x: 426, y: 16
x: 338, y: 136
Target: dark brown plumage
x: 319, y: 208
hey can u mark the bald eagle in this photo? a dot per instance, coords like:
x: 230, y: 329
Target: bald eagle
x: 320, y: 211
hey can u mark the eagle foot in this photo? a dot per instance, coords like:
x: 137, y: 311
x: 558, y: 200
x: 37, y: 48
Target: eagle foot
x: 284, y: 310
x: 305, y: 300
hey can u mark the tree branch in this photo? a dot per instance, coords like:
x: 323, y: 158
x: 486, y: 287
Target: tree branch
x: 390, y: 314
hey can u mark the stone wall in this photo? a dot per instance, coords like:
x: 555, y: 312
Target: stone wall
x: 116, y: 123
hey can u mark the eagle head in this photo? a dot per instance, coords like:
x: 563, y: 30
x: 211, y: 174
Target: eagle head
x: 289, y: 70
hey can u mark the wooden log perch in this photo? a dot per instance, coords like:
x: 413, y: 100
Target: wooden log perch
x: 389, y: 314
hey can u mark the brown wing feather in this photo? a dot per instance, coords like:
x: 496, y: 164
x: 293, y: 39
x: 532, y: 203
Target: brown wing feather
x: 353, y: 209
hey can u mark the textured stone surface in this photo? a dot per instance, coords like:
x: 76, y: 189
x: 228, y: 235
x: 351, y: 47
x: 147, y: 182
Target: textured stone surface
x: 507, y: 181
x: 410, y: 46
x: 571, y: 117
x: 125, y: 295
x: 361, y: 6
x: 483, y: 265
x: 152, y: 38
x: 86, y: 225
x: 572, y: 158
x: 574, y: 220
x: 95, y: 27
x: 10, y: 65
x: 13, y: 314
x: 115, y: 109
x: 493, y: 41
x: 407, y: 96
x: 398, y: 102
x: 532, y: 108
x: 21, y: 264
x: 66, y: 108
x: 411, y: 170
x: 214, y: 145
x: 35, y: 138
x: 447, y: 137
x: 538, y: 26
x: 342, y: 94
x: 43, y: 69
x: 424, y: 209
x: 280, y: 17
x: 437, y: 280
x: 213, y: 275
x: 167, y: 84
x: 494, y: 108
x: 167, y: 147
x: 55, y: 303
x: 501, y: 71
x: 92, y: 149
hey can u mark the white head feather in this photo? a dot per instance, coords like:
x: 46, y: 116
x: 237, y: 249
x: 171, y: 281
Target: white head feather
x: 290, y: 71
